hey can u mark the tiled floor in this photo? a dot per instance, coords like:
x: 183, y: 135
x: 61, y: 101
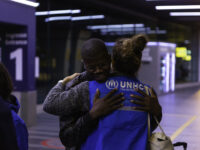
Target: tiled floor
x: 44, y: 136
x: 181, y: 121
x: 181, y: 116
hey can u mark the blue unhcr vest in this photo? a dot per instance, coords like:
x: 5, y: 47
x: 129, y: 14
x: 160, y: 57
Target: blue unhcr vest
x: 124, y: 129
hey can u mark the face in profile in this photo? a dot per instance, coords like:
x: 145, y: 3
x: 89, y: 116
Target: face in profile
x: 98, y: 68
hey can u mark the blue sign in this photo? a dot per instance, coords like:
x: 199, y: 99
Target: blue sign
x: 14, y: 56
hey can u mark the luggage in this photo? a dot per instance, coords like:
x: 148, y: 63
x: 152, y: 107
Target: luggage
x: 184, y: 144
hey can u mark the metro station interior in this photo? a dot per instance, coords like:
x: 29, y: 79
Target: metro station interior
x: 40, y: 44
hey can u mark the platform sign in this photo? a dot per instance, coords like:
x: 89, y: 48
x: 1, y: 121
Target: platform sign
x: 14, y: 57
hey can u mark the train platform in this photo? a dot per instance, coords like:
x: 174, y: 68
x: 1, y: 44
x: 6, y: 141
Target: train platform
x: 181, y: 120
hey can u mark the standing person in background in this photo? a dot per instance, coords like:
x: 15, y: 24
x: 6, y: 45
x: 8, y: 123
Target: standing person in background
x: 13, y: 131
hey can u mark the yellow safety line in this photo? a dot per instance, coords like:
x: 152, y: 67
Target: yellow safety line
x: 177, y: 132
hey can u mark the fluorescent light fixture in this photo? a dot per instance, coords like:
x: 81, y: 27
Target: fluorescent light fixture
x: 87, y: 17
x: 74, y: 18
x: 175, y: 7
x: 139, y: 25
x: 114, y: 26
x: 184, y: 13
x: 117, y: 30
x: 56, y: 12
x: 26, y: 2
x: 58, y: 18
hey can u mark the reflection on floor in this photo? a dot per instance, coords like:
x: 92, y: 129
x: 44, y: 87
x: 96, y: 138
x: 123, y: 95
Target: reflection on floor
x: 181, y: 117
x: 181, y: 121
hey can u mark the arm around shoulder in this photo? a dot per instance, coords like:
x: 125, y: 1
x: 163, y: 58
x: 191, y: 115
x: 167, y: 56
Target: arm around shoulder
x: 62, y: 102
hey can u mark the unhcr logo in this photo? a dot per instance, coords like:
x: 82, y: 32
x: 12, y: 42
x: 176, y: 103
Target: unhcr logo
x: 111, y: 84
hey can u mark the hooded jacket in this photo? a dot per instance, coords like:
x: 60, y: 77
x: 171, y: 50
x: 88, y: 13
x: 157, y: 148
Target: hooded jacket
x: 20, y: 127
x: 8, y: 140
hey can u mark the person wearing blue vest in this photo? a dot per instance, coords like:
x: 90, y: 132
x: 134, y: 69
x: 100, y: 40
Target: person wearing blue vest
x: 125, y: 128
x: 13, y: 131
x: 78, y: 99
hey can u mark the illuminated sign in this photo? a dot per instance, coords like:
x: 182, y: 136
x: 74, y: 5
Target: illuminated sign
x: 188, y: 58
x: 181, y: 52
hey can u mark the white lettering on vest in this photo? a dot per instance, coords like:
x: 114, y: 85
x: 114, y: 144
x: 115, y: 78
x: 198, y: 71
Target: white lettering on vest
x: 129, y: 85
x: 141, y: 87
x: 135, y: 85
x: 121, y: 84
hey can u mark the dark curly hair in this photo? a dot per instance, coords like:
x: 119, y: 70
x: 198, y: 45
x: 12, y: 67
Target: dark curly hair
x: 127, y: 54
x: 6, y: 85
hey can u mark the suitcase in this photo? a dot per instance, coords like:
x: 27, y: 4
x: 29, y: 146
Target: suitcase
x: 184, y: 144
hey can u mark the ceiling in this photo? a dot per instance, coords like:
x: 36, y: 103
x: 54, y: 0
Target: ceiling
x: 120, y: 12
x: 123, y: 11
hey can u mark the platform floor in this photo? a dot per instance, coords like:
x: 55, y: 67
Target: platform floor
x: 181, y: 121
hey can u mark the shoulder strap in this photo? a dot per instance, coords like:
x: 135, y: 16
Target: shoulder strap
x: 149, y: 125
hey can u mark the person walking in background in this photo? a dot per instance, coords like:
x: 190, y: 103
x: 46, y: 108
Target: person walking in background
x: 13, y: 131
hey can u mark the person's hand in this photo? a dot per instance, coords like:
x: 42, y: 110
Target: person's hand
x: 107, y: 104
x: 147, y: 103
x: 69, y: 78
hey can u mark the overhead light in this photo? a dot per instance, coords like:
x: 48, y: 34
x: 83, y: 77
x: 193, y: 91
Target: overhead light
x: 27, y: 2
x: 74, y: 18
x: 55, y: 12
x: 126, y: 29
x: 120, y: 26
x: 184, y: 13
x: 117, y: 29
x: 87, y: 17
x: 175, y: 7
x: 58, y: 18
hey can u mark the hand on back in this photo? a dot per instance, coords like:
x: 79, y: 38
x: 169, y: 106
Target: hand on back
x: 147, y: 103
x: 107, y: 104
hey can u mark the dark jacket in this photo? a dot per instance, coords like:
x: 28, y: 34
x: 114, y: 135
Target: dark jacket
x: 8, y: 140
x: 20, y: 127
x: 75, y: 126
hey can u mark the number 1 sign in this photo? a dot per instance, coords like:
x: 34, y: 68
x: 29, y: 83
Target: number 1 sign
x: 14, y: 56
x: 18, y: 56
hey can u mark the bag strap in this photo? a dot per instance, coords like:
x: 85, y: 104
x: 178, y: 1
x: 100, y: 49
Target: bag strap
x: 149, y: 125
